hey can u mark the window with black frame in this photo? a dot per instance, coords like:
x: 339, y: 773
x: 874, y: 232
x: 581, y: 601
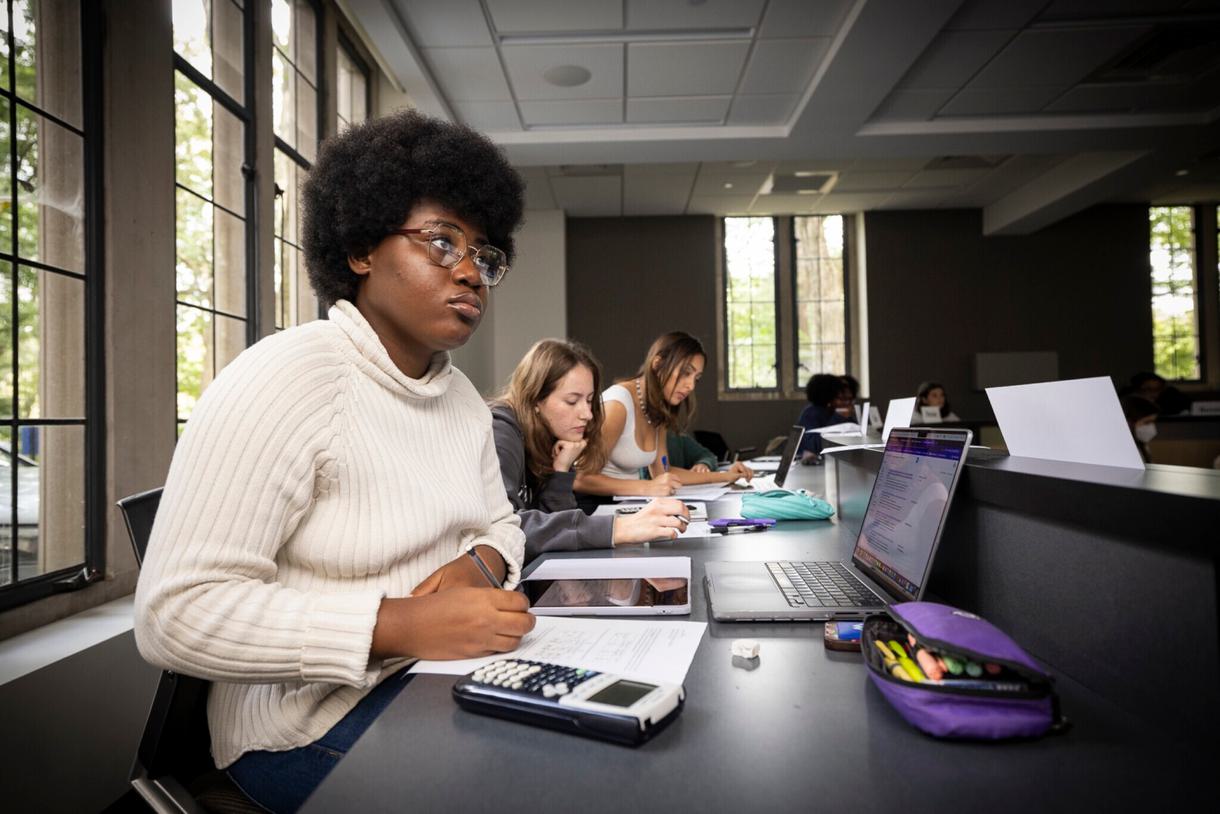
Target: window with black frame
x: 48, y: 301
x: 295, y: 78
x: 352, y: 87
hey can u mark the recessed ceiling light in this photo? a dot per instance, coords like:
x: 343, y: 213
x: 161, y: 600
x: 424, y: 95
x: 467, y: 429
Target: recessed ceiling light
x: 567, y: 76
x: 728, y: 185
x: 1180, y: 173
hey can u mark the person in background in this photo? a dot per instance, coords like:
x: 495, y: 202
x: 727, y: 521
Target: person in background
x: 641, y: 413
x: 1168, y: 399
x: 1141, y: 420
x: 315, y: 530
x: 932, y: 394
x: 822, y: 391
x: 547, y: 425
x: 849, y: 393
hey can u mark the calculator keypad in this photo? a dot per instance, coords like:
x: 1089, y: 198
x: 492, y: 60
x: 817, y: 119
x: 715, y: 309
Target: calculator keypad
x: 532, y: 677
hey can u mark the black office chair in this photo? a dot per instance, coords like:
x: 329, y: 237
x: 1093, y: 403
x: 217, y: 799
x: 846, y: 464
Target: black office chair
x: 714, y: 442
x: 173, y: 769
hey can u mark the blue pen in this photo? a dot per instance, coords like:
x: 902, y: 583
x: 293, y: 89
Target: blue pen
x: 665, y: 462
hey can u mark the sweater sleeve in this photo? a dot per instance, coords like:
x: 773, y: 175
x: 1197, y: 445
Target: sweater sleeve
x: 504, y: 529
x: 242, y: 477
x: 558, y: 525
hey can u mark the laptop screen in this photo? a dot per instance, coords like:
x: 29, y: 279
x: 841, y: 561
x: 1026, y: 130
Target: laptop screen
x: 791, y: 447
x: 906, y: 512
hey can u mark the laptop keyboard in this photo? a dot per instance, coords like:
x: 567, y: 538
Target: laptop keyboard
x: 821, y: 585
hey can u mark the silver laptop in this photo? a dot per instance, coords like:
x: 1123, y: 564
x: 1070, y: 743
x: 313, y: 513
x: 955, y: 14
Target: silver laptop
x: 893, y: 554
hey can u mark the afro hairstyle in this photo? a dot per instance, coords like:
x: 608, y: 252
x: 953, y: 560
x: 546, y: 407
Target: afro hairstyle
x: 369, y: 178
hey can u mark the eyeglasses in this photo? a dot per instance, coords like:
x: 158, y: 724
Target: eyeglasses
x: 447, y: 246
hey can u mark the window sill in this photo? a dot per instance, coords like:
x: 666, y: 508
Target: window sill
x: 35, y: 649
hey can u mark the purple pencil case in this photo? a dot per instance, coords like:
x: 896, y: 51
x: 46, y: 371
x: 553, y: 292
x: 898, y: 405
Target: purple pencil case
x: 1013, y: 697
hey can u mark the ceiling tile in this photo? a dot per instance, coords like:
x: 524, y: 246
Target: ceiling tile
x: 696, y: 109
x: 785, y: 204
x: 852, y: 202
x: 763, y: 108
x: 783, y: 66
x: 646, y: 192
x: 468, y: 74
x: 488, y: 116
x: 1054, y: 56
x: 944, y: 179
x: 1122, y: 97
x: 953, y: 58
x: 1007, y: 102
x: 444, y: 23
x: 1101, y: 9
x: 889, y: 164
x: 912, y: 105
x: 684, y: 69
x: 648, y: 170
x: 917, y: 199
x: 573, y: 111
x: 976, y: 14
x: 652, y: 15
x: 526, y: 65
x: 853, y: 181
x: 585, y: 197
x: 812, y: 166
x: 539, y: 16
x: 800, y: 18
x: 719, y: 205
x: 712, y: 182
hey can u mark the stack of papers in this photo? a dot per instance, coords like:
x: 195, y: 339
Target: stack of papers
x: 707, y: 491
x: 643, y: 650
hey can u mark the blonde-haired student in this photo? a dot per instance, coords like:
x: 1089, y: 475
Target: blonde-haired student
x: 547, y: 425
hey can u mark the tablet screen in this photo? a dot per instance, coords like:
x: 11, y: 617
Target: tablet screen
x: 602, y: 593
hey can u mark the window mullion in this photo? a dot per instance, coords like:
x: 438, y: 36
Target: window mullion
x: 785, y: 305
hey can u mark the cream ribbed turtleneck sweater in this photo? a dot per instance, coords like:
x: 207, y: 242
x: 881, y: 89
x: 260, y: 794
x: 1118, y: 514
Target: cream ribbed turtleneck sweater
x: 313, y: 479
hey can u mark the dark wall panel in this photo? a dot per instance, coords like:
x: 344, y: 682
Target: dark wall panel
x: 939, y: 291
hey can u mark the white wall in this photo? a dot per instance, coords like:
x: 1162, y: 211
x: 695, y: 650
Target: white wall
x: 529, y: 305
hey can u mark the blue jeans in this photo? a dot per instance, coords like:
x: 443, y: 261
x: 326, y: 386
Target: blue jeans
x: 281, y: 781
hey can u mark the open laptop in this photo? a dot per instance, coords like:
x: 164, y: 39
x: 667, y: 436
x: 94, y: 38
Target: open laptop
x: 894, y: 550
x: 764, y: 482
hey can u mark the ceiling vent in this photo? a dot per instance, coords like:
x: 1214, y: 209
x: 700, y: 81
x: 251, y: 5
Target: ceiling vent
x: 800, y: 183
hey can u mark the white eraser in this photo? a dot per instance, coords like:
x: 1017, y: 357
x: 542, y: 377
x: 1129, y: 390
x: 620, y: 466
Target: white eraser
x: 746, y: 648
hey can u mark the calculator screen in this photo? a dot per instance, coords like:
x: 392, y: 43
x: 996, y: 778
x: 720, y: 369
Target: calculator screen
x: 622, y: 693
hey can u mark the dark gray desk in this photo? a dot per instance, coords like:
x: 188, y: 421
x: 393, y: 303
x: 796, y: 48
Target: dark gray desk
x: 803, y: 731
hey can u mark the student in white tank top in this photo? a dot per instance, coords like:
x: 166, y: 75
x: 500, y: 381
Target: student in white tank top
x: 639, y: 414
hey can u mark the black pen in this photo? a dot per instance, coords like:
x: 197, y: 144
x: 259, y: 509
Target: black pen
x: 491, y: 578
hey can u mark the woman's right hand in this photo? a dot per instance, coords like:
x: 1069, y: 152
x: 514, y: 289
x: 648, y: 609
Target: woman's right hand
x: 458, y: 623
x: 656, y: 521
x: 662, y: 485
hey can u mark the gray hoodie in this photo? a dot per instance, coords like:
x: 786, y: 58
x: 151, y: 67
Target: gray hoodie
x: 549, y: 516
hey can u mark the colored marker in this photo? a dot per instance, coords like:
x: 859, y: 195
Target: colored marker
x: 953, y: 665
x: 929, y: 665
x: 974, y: 669
x: 992, y: 668
x: 911, y: 667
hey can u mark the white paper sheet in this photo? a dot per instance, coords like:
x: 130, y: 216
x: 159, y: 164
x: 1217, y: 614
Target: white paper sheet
x: 846, y: 428
x: 611, y: 568
x: 898, y: 414
x: 697, y: 509
x: 1078, y: 420
x: 646, y: 650
x: 706, y: 491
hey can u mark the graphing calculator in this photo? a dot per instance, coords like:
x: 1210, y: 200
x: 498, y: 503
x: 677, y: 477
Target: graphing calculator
x: 570, y: 699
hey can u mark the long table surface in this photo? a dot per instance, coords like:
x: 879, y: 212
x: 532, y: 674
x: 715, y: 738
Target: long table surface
x: 803, y: 730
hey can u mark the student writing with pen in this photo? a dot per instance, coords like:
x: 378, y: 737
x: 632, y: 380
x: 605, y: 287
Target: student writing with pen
x: 547, y: 426
x: 311, y: 536
x: 640, y: 412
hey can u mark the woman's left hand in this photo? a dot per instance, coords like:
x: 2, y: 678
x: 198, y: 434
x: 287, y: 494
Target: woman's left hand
x: 700, y: 468
x: 738, y: 471
x: 462, y: 573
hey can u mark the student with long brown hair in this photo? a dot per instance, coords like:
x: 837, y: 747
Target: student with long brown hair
x: 547, y: 425
x: 640, y: 412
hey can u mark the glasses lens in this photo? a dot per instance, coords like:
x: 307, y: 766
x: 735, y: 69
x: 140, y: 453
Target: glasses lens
x: 446, y: 246
x: 492, y: 264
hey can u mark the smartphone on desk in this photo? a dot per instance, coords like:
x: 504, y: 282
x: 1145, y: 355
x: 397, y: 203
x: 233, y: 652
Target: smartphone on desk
x: 842, y: 635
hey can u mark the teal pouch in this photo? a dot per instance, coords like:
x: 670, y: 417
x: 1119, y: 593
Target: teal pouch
x: 780, y: 504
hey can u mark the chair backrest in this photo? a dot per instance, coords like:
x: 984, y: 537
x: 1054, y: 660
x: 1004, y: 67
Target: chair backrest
x: 774, y: 444
x: 139, y: 511
x: 714, y: 442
